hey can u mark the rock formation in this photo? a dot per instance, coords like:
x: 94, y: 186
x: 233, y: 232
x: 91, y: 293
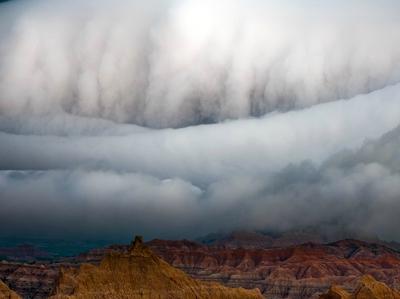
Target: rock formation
x: 138, y: 273
x: 6, y: 293
x: 368, y: 288
x: 297, y: 272
x: 35, y: 281
x: 294, y: 272
x: 336, y: 292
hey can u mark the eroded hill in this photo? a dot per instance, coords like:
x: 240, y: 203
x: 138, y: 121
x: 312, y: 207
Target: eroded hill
x: 138, y: 273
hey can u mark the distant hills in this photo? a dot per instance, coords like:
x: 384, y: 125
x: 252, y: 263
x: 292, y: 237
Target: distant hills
x: 257, y: 239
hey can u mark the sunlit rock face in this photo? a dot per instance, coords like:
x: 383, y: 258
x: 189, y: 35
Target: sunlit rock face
x: 295, y: 272
x: 6, y: 293
x: 138, y: 273
x: 368, y: 288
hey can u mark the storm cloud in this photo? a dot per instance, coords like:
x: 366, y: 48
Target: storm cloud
x: 90, y: 177
x: 179, y: 118
x: 353, y: 191
x: 177, y: 63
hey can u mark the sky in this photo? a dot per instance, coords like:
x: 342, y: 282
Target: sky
x: 179, y: 118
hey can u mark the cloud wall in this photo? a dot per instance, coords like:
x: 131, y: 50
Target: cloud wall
x: 113, y: 179
x: 353, y: 191
x: 177, y: 63
x: 178, y: 118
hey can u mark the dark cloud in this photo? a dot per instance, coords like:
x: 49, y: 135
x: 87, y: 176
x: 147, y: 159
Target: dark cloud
x: 91, y: 177
x: 353, y: 191
x: 304, y: 102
